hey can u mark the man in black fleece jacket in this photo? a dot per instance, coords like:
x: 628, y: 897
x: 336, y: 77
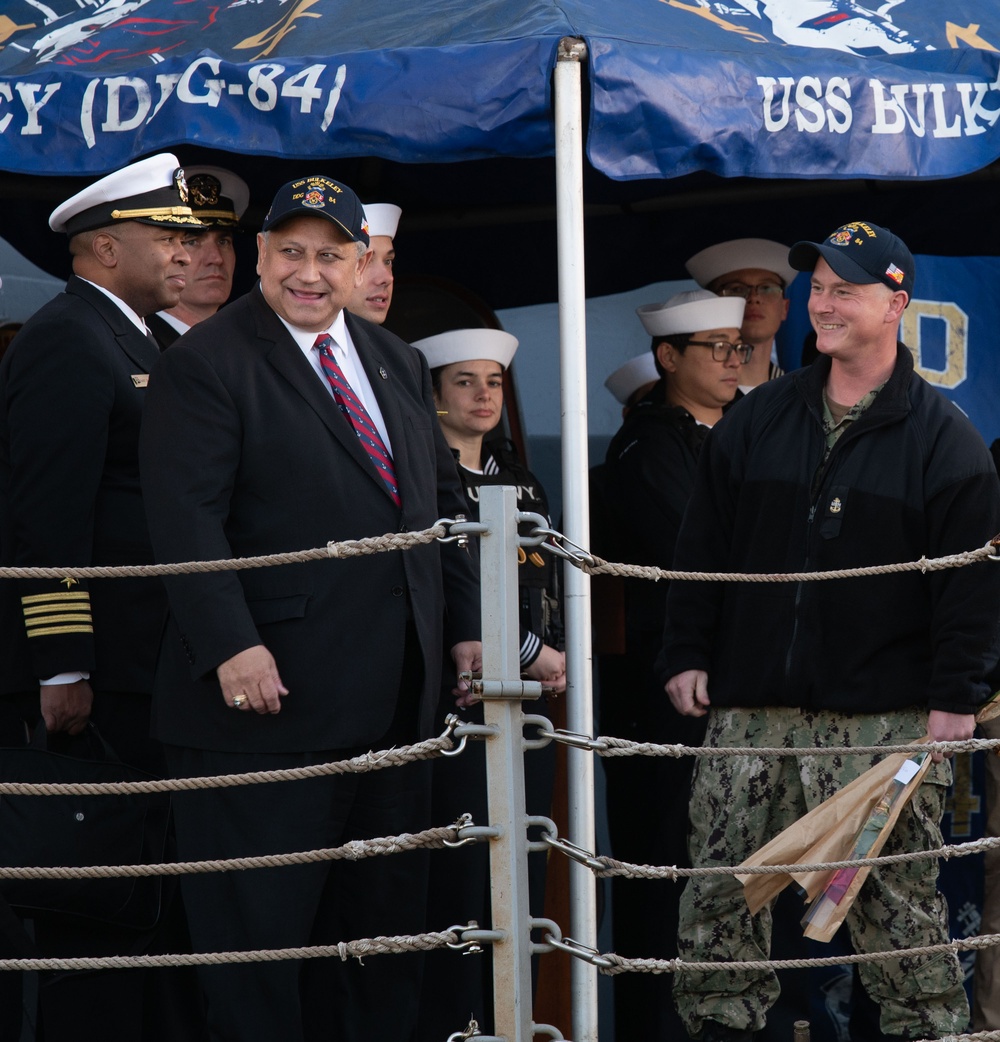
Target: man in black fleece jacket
x: 852, y: 462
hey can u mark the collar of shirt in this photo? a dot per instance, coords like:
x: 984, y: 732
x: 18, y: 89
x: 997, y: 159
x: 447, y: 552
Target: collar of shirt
x: 347, y: 358
x: 834, y: 428
x: 122, y: 306
x: 175, y: 323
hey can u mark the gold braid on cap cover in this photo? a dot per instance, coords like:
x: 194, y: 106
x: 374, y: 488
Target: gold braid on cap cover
x: 158, y: 213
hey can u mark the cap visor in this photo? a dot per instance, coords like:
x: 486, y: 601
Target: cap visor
x: 803, y: 256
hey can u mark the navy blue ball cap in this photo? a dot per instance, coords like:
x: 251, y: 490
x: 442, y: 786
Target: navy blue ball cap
x: 320, y: 196
x: 862, y: 253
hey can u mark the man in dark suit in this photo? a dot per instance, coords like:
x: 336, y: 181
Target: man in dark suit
x: 248, y: 448
x: 71, y: 395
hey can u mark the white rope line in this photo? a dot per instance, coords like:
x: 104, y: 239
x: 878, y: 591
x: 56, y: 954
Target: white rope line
x: 605, y: 746
x: 408, y: 540
x: 604, y: 866
x: 598, y: 566
x: 344, y: 950
x: 609, y: 964
x: 355, y: 850
x: 340, y: 550
x: 613, y: 964
x: 365, y: 763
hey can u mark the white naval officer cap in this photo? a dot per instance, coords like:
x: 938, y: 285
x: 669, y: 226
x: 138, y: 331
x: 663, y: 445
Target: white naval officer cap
x: 152, y: 191
x: 383, y: 219
x: 722, y: 258
x: 690, y: 312
x: 468, y: 345
x: 217, y: 196
x: 628, y: 378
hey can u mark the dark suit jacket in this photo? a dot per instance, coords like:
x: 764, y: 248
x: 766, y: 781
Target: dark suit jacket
x: 244, y: 452
x: 71, y: 394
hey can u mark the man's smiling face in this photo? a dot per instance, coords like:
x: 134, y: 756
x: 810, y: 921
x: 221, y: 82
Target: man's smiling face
x: 308, y: 271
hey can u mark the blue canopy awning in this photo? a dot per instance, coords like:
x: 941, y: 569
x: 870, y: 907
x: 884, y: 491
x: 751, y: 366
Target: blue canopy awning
x: 761, y: 88
x: 797, y: 88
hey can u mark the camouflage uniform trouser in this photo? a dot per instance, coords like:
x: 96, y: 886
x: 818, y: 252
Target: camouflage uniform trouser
x: 741, y: 802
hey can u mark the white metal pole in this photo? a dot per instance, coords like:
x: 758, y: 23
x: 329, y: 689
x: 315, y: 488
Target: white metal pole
x: 576, y: 516
x: 505, y: 765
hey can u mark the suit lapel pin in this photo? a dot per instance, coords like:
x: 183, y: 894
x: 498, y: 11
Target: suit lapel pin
x: 382, y: 372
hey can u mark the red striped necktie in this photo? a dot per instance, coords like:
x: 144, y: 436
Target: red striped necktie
x: 352, y: 407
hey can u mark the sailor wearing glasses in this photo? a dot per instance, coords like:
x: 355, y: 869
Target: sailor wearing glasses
x: 758, y: 271
x: 650, y: 471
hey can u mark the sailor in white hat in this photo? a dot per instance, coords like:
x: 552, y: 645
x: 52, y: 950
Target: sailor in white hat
x: 647, y: 481
x: 467, y: 345
x: 758, y: 271
x: 372, y: 298
x: 467, y: 369
x: 705, y: 380
x: 629, y: 382
x: 218, y: 198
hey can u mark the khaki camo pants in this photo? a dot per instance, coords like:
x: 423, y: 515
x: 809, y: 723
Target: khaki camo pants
x: 739, y: 803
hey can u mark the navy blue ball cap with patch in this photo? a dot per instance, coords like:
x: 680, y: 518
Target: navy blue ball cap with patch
x: 319, y: 196
x: 861, y: 253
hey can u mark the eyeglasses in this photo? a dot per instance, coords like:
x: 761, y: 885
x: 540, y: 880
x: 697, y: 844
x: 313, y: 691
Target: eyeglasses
x: 766, y: 290
x: 723, y: 349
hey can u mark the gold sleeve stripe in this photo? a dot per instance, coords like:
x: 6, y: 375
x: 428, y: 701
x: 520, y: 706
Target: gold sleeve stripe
x: 53, y: 630
x: 42, y: 598
x: 81, y: 617
x: 41, y: 609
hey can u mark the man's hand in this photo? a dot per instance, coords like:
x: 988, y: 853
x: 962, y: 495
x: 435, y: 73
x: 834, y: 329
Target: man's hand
x: 688, y: 692
x: 549, y: 668
x: 66, y: 707
x: 252, y: 676
x: 468, y: 658
x: 949, y: 727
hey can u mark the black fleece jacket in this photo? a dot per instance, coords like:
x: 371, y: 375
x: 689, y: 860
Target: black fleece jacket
x: 910, y: 478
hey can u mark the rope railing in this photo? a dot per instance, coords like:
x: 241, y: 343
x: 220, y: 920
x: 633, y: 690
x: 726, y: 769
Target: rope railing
x: 356, y: 850
x: 444, y: 745
x: 556, y: 543
x: 362, y: 764
x: 343, y: 950
x: 342, y: 550
x: 593, y: 565
x: 612, y: 964
x: 612, y: 747
x: 604, y: 866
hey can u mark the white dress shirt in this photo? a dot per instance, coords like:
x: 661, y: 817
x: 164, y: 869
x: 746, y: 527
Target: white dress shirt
x: 347, y: 358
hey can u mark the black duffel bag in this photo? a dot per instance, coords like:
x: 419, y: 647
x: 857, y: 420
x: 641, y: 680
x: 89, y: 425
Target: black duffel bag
x: 80, y: 831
